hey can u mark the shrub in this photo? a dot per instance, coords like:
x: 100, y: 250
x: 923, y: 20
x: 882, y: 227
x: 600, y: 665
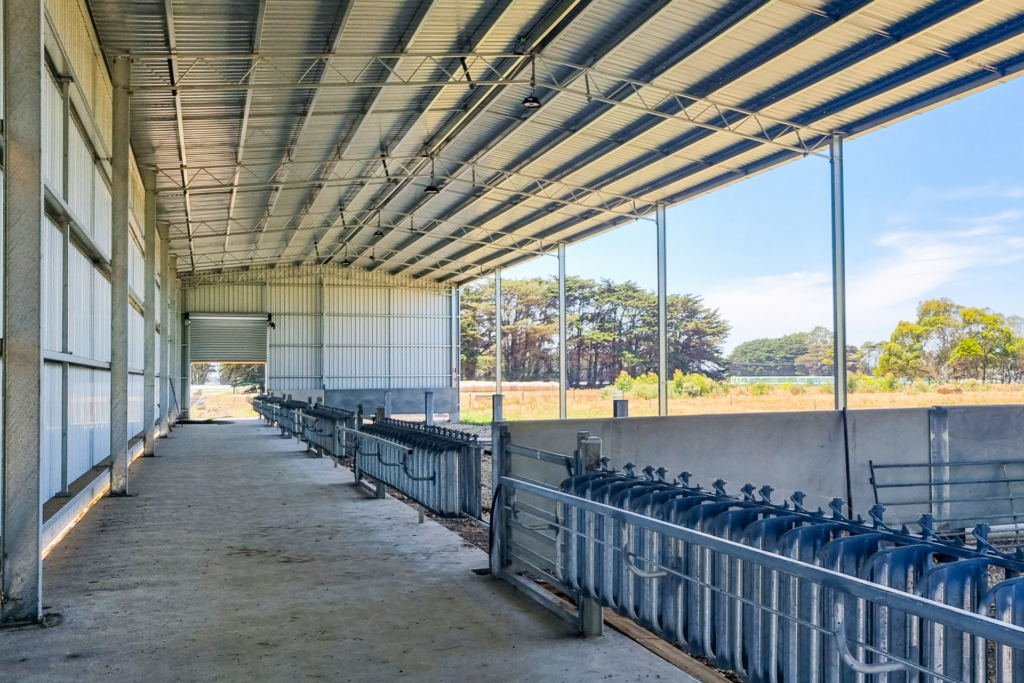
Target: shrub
x: 827, y: 388
x: 623, y: 382
x: 644, y: 390
x: 761, y: 389
x: 973, y: 385
x: 918, y: 386
x: 797, y: 389
x: 694, y: 384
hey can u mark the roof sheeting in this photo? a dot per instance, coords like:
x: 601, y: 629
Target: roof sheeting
x: 311, y: 129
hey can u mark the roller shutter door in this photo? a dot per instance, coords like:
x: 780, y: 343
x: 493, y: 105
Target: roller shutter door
x: 227, y: 339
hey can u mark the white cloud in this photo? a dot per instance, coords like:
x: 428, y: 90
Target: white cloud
x: 910, y: 266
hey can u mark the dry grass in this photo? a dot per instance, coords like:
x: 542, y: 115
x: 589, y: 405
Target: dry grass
x: 215, y: 406
x: 543, y: 405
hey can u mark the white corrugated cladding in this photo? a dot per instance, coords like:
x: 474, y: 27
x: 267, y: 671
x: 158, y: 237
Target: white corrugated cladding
x: 86, y: 194
x: 52, y: 426
x: 343, y: 329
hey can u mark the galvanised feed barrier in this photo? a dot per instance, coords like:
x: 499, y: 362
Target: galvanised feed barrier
x: 430, y: 476
x: 319, y: 424
x: 776, y: 593
x: 266, y: 406
x: 289, y: 418
x: 459, y: 451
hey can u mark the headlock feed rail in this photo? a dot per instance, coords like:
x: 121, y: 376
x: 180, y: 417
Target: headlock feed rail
x: 436, y: 466
x: 319, y: 426
x: 775, y: 592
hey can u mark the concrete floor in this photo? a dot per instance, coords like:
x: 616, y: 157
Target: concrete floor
x: 239, y: 558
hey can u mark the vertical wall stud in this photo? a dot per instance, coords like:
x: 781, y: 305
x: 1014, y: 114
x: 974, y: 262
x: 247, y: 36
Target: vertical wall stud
x: 121, y: 191
x: 662, y: 312
x: 21, y: 568
x: 838, y: 271
x: 149, y: 317
x: 563, y: 375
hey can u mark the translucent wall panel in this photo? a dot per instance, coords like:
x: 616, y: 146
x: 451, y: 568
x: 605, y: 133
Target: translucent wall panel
x: 81, y: 421
x: 102, y: 206
x: 136, y: 350
x: 81, y: 176
x: 80, y: 303
x: 53, y: 135
x: 101, y: 317
x: 135, y: 385
x: 52, y: 429
x: 136, y: 270
x: 53, y: 286
x: 101, y: 415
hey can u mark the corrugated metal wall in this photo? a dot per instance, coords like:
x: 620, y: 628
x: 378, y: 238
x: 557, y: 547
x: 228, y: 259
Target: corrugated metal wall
x: 83, y: 361
x: 345, y: 329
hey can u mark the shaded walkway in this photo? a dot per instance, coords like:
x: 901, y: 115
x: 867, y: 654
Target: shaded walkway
x: 241, y: 559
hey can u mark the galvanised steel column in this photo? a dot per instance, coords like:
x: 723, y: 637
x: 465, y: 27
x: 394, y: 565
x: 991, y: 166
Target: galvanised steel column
x: 838, y: 271
x: 21, y: 569
x: 562, y: 347
x: 497, y: 330
x: 121, y: 76
x: 166, y: 355
x: 149, y: 318
x: 173, y: 331
x: 662, y: 312
x: 456, y: 331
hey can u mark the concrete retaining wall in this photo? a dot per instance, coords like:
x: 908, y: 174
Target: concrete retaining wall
x: 806, y: 451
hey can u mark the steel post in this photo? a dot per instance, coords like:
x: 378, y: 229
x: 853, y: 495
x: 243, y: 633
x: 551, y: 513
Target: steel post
x: 428, y: 408
x: 121, y: 190
x: 838, y: 272
x: 387, y: 404
x: 456, y: 332
x: 588, y: 459
x: 563, y: 403
x: 149, y: 317
x: 662, y: 312
x: 186, y: 367
x: 166, y: 337
x: 21, y: 569
x: 497, y: 330
x: 620, y: 407
x: 173, y: 345
x: 496, y: 410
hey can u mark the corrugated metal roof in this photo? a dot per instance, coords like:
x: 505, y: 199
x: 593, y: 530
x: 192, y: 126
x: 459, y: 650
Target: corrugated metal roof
x: 296, y: 155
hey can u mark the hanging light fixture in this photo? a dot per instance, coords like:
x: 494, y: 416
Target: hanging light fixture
x: 431, y: 188
x: 346, y: 263
x: 378, y: 232
x: 531, y: 101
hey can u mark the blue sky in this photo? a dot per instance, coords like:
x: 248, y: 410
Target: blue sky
x: 934, y: 207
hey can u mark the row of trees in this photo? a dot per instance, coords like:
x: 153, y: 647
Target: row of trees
x: 801, y: 353
x: 610, y: 328
x: 948, y: 342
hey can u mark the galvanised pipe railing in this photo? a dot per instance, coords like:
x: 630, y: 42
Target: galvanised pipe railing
x: 776, y: 593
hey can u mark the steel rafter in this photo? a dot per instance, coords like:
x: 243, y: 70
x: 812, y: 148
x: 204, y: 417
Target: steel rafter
x: 416, y: 24
x: 907, y: 29
x: 705, y: 36
x: 257, y: 39
x: 479, y: 39
x: 174, y: 76
x: 558, y: 19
